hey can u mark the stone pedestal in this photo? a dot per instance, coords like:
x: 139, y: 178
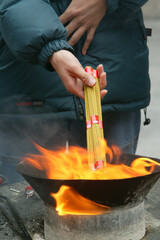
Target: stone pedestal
x: 119, y: 224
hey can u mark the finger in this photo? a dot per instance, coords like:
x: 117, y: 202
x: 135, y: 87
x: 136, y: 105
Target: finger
x: 79, y: 88
x: 103, y: 93
x: 102, y: 80
x: 100, y: 69
x: 66, y: 17
x: 71, y: 27
x: 75, y: 88
x: 76, y: 36
x: 85, y: 77
x: 90, y: 35
x: 77, y: 92
x: 80, y: 94
x: 101, y: 76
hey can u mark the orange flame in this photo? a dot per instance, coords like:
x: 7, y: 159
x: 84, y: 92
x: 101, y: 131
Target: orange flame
x: 74, y: 164
x: 71, y: 202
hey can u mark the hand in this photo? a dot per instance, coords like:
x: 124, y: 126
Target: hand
x: 73, y: 75
x: 84, y: 16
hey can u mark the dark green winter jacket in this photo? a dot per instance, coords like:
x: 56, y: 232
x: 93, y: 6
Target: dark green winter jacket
x: 30, y: 31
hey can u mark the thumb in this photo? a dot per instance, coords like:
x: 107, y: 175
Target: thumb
x: 85, y: 77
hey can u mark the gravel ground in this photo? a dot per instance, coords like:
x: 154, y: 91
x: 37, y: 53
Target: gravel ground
x: 29, y: 209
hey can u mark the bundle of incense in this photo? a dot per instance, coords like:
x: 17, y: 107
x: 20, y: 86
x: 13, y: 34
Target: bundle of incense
x: 94, y: 124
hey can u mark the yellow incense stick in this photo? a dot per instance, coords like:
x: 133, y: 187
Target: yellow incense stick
x: 94, y: 122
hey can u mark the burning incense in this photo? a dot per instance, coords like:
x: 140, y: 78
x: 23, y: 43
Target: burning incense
x: 94, y: 122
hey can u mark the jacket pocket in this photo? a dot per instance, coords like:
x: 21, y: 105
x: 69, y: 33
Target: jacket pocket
x: 142, y: 30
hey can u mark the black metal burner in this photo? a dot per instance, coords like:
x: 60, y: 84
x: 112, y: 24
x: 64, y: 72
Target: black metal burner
x: 113, y: 193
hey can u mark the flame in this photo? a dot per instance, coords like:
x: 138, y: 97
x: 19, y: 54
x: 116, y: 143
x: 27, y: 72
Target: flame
x: 74, y: 164
x: 70, y: 202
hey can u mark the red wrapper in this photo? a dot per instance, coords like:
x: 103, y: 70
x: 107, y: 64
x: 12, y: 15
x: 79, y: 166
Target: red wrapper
x: 95, y: 73
x: 88, y: 124
x: 99, y: 164
x: 89, y: 70
x: 94, y: 119
x: 100, y: 123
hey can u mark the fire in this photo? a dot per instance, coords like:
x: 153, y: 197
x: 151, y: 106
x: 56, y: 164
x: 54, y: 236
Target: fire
x: 71, y: 202
x: 74, y: 164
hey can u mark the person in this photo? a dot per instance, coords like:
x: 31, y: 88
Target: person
x: 44, y: 47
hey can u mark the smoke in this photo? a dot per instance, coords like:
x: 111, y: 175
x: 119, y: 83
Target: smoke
x: 18, y: 133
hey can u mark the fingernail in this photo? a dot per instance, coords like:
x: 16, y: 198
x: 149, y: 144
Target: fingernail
x: 91, y: 81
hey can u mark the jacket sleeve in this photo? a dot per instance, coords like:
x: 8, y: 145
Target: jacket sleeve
x: 32, y: 30
x: 124, y: 8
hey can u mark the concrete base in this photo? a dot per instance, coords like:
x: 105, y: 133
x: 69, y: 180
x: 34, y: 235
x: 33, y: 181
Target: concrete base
x: 121, y: 224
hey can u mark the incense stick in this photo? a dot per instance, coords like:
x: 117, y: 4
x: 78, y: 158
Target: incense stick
x: 94, y: 122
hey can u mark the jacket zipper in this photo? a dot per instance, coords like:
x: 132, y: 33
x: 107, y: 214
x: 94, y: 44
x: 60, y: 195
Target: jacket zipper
x: 80, y: 109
